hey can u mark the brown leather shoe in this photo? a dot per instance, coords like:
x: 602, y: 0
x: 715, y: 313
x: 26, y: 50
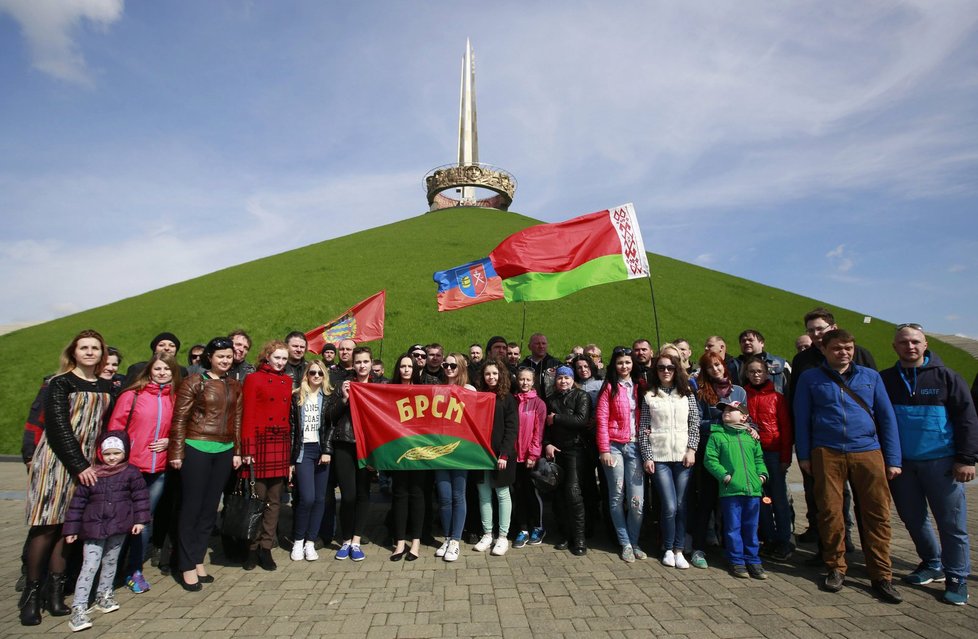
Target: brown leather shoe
x: 884, y: 588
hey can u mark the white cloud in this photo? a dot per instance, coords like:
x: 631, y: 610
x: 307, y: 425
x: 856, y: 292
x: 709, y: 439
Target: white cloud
x: 47, y: 26
x: 840, y: 259
x: 705, y: 259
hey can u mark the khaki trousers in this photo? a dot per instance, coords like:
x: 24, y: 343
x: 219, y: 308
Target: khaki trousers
x: 866, y: 474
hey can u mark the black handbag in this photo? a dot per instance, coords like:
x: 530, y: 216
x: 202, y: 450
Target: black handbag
x: 242, y: 510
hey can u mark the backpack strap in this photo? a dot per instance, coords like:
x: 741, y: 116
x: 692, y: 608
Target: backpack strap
x: 855, y: 397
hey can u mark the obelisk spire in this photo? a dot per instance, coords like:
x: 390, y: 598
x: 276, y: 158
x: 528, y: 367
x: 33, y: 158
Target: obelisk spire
x: 468, y: 175
x: 468, y: 133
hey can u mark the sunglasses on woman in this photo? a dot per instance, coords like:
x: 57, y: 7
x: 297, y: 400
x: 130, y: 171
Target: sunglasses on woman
x: 449, y: 366
x: 315, y: 373
x: 665, y: 368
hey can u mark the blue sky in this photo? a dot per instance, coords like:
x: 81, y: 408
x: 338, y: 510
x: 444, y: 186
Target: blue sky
x: 828, y: 148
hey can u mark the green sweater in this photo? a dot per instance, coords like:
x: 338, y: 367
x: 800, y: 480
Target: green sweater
x: 734, y: 452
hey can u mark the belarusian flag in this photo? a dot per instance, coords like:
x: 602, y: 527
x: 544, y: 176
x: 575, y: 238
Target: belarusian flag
x: 549, y: 261
x: 415, y: 427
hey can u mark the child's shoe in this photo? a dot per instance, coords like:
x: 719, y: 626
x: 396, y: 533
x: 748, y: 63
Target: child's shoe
x: 79, y: 619
x: 105, y: 602
x: 137, y: 583
x: 756, y: 571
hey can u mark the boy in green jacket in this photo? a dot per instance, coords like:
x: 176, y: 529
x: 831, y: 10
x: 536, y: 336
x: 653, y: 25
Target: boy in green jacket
x: 735, y: 458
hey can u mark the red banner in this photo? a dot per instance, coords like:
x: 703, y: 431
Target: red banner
x: 415, y: 427
x: 362, y: 323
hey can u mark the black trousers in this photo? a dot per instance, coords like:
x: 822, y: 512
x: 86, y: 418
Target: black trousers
x: 203, y: 476
x: 569, y: 505
x: 408, y: 503
x: 354, y: 483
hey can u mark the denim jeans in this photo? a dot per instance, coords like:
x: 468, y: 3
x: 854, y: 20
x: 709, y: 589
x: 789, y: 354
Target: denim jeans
x: 670, y: 480
x: 311, y: 478
x: 450, y: 485
x: 626, y: 480
x: 931, y: 482
x: 776, y: 517
x: 739, y: 514
x: 138, y: 543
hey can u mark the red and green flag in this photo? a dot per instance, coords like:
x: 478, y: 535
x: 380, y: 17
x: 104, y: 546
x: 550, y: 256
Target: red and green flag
x: 549, y: 261
x: 363, y: 322
x: 415, y: 427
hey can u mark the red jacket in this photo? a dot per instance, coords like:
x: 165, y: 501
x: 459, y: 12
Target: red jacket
x: 150, y: 421
x: 769, y: 411
x: 265, y: 432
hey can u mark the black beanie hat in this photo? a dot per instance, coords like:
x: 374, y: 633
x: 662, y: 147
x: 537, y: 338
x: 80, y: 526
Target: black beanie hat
x: 164, y: 336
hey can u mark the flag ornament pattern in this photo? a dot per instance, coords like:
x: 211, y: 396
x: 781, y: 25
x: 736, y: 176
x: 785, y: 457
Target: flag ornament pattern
x: 549, y: 261
x: 415, y: 427
x: 363, y: 322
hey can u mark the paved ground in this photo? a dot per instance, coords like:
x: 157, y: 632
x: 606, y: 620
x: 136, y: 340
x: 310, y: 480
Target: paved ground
x: 536, y: 591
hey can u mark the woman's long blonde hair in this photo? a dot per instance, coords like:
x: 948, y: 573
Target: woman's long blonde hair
x: 463, y: 369
x: 304, y: 390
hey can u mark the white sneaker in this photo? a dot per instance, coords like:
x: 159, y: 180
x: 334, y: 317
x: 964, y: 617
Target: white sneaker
x: 484, y: 543
x: 453, y: 549
x: 296, y: 554
x: 309, y: 551
x: 669, y: 559
x: 500, y: 547
x: 681, y: 562
x: 442, y: 549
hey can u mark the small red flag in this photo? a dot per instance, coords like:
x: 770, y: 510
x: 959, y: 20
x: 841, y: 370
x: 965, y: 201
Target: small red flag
x: 362, y: 323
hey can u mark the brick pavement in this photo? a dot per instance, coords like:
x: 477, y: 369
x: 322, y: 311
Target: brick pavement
x: 531, y: 592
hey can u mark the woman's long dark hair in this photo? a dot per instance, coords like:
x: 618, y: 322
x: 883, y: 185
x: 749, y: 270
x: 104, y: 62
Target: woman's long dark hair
x: 680, y: 378
x: 590, y: 364
x: 502, y: 386
x: 611, y: 377
x: 415, y: 370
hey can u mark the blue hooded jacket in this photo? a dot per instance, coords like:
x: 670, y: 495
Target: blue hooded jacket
x: 827, y: 417
x: 934, y: 410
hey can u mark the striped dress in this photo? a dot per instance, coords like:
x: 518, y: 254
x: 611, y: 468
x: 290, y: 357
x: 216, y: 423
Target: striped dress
x: 75, y: 414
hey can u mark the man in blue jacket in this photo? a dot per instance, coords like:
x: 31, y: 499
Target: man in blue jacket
x: 939, y: 440
x: 845, y: 429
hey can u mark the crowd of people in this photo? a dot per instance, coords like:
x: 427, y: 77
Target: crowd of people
x: 133, y: 465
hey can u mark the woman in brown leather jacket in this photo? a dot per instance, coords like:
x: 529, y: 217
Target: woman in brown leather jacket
x: 205, y: 443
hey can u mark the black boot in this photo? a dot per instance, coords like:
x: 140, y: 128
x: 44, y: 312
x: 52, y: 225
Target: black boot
x: 30, y: 604
x: 251, y: 560
x: 265, y: 559
x: 56, y: 595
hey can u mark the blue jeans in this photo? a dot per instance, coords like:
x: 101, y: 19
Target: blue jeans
x: 311, y: 478
x: 739, y: 516
x: 775, y: 518
x: 138, y: 543
x: 450, y: 485
x: 626, y: 480
x: 931, y: 482
x: 670, y: 480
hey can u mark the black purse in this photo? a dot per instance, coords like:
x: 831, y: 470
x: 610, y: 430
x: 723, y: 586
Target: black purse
x: 242, y: 510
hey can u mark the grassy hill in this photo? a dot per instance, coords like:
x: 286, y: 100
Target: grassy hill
x: 303, y: 288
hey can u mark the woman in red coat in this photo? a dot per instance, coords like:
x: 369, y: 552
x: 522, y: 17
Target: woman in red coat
x: 266, y: 443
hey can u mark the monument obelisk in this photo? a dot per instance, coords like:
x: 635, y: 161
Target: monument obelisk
x: 468, y: 174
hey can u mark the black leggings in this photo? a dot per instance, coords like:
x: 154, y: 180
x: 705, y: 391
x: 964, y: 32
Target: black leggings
x: 354, y: 483
x: 203, y: 477
x: 408, y: 503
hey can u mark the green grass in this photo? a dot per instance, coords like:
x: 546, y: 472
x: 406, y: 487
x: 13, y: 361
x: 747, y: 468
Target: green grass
x: 303, y: 288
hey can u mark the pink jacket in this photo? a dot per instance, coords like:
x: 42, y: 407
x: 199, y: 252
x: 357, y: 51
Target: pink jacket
x: 151, y: 417
x: 616, y: 420
x: 533, y: 412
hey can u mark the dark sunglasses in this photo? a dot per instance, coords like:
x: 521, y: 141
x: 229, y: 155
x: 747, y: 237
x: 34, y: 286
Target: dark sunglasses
x: 449, y: 366
x: 315, y: 374
x: 913, y: 325
x: 665, y: 367
x: 195, y: 356
x: 420, y: 355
